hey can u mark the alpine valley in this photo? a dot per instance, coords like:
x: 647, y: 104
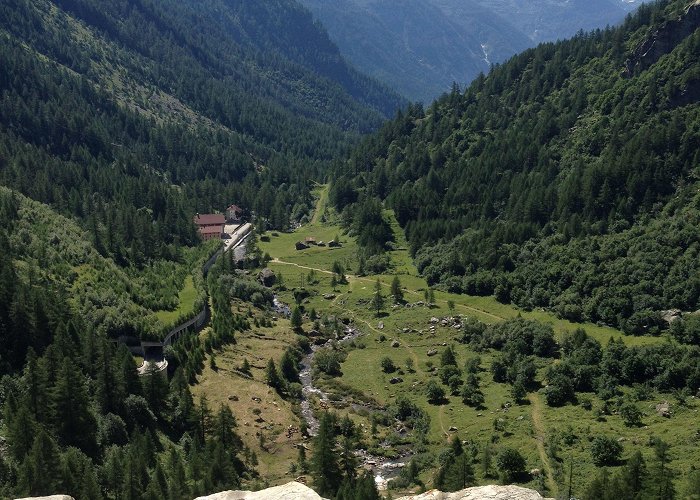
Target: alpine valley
x: 231, y: 259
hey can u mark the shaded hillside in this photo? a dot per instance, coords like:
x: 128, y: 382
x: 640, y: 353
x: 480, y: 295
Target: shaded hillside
x: 420, y: 48
x: 558, y: 180
x: 132, y: 117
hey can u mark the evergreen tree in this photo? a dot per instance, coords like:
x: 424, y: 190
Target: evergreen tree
x: 663, y: 476
x: 22, y: 430
x: 396, y: 291
x: 40, y: 473
x: 72, y: 419
x: 272, y: 377
x: 634, y: 475
x: 129, y: 376
x: 377, y: 302
x: 155, y: 387
x: 35, y: 380
x: 176, y: 478
x: 296, y: 319
x: 204, y: 419
x: 288, y: 367
x: 324, y: 462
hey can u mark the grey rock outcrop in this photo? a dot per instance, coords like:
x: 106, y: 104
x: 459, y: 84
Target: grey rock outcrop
x: 52, y: 497
x: 491, y: 492
x: 298, y: 491
x: 289, y: 491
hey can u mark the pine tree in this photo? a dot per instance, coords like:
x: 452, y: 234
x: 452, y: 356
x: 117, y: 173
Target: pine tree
x: 663, y: 476
x: 129, y: 376
x: 72, y: 419
x: 272, y: 377
x: 324, y: 463
x: 296, y: 319
x: 377, y: 302
x: 155, y: 388
x: 22, y: 430
x: 176, y: 484
x: 204, y: 419
x: 396, y: 290
x: 35, y: 380
x: 40, y: 472
x: 288, y: 367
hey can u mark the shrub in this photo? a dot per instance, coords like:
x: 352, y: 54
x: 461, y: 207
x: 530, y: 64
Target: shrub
x: 388, y: 365
x: 435, y: 392
x: 510, y: 464
x: 605, y: 451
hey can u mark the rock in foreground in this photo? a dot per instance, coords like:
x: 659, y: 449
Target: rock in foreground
x: 289, y: 491
x: 297, y: 491
x: 491, y: 492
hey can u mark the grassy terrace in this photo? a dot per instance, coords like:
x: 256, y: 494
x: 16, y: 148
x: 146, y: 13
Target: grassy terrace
x: 186, y: 299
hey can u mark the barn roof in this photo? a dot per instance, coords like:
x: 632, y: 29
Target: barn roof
x: 209, y: 219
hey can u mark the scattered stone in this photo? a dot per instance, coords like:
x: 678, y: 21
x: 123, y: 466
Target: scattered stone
x: 329, y: 296
x: 333, y: 244
x: 535, y: 473
x: 380, y: 326
x: 406, y: 330
x: 300, y: 246
x: 664, y: 409
x: 434, y: 320
x: 671, y: 315
x: 233, y: 397
x: 453, y: 429
x: 395, y: 380
x: 395, y: 343
x: 432, y: 352
x: 267, y: 277
x: 256, y: 399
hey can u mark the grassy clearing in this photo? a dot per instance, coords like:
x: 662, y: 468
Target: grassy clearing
x: 272, y: 415
x: 186, y: 299
x: 549, y: 438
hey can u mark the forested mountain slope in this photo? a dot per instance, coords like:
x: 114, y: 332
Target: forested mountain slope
x: 118, y: 122
x: 421, y: 47
x: 567, y: 178
x: 417, y: 47
x: 172, y: 107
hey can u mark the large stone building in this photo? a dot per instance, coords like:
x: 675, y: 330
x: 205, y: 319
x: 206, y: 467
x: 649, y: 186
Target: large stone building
x: 210, y: 226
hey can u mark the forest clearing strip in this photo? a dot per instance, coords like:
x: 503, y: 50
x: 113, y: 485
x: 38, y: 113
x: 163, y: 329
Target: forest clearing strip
x: 538, y: 426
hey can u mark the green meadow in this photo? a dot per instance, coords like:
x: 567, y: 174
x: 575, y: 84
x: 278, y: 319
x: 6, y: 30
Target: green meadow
x: 555, y: 441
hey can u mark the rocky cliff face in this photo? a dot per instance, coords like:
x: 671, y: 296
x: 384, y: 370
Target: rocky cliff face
x: 297, y: 491
x: 663, y: 40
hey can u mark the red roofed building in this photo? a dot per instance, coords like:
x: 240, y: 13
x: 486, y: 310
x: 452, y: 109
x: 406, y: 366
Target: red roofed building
x: 210, y: 226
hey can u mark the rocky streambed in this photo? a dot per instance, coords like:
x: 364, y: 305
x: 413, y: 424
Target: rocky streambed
x: 383, y: 468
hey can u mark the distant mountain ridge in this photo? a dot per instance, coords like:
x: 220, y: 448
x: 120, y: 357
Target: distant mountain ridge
x: 421, y: 47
